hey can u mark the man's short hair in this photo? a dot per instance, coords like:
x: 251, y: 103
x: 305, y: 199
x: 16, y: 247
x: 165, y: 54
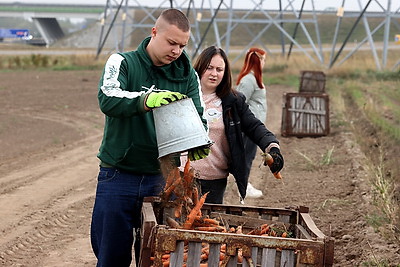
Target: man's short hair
x: 176, y: 17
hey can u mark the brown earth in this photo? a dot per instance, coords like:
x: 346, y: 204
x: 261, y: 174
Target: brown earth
x: 50, y: 131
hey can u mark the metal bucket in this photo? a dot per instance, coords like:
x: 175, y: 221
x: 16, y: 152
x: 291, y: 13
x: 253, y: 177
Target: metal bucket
x: 179, y: 127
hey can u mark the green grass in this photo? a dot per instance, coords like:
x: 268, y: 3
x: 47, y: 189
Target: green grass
x: 316, y: 164
x: 289, y: 80
x: 380, y: 105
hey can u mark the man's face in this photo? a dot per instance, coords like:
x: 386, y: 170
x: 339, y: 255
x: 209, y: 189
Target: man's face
x: 168, y: 43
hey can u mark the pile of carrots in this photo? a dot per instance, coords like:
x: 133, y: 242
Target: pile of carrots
x: 180, y: 189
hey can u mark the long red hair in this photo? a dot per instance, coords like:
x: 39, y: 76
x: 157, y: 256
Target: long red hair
x: 252, y: 62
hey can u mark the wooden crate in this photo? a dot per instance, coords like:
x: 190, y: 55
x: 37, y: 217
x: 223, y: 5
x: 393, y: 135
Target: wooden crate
x: 312, y: 82
x: 309, y: 247
x: 305, y: 114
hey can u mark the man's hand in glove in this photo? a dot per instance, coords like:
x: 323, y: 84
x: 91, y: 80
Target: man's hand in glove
x: 157, y: 99
x: 199, y: 153
x: 277, y: 165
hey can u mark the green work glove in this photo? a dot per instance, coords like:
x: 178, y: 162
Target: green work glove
x: 157, y: 99
x: 199, y: 153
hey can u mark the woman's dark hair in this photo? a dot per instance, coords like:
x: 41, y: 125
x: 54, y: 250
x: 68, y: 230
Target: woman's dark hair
x: 202, y: 63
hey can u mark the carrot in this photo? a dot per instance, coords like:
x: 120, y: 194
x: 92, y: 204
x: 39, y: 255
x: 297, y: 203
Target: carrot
x: 172, y: 223
x: 278, y: 175
x: 194, y: 212
x: 188, y: 200
x: 178, y: 209
x: 200, y: 221
x: 225, y: 261
x: 168, y: 191
x: 188, y: 176
x: 268, y: 160
x: 206, y: 228
x: 210, y: 228
x: 170, y: 177
x: 264, y: 230
x: 204, y: 256
x: 284, y: 234
x: 165, y: 256
x: 221, y: 256
x: 187, y: 166
x: 198, y: 218
x: 205, y: 248
x: 255, y: 231
x: 223, y: 248
x: 240, y: 256
x: 195, y: 194
x: 210, y: 221
x: 188, y: 185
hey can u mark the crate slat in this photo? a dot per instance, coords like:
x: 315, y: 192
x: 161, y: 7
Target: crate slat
x: 214, y: 256
x: 305, y: 114
x: 194, y: 254
x: 254, y: 253
x: 268, y: 257
x: 287, y: 258
x: 176, y: 258
x: 232, y: 261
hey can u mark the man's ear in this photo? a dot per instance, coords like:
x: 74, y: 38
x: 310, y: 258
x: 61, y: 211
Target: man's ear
x: 153, y: 31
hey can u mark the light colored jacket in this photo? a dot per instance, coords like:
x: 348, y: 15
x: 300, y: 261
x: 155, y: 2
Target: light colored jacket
x: 256, y: 97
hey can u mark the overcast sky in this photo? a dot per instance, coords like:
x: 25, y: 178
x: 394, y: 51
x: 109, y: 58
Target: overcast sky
x: 354, y: 5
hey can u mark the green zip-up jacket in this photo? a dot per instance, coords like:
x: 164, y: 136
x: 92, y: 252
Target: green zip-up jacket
x: 129, y: 141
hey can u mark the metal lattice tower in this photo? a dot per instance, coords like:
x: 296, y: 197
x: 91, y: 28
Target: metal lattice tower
x: 215, y: 22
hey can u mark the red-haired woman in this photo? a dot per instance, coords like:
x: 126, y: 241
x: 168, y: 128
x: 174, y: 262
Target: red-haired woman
x: 250, y: 83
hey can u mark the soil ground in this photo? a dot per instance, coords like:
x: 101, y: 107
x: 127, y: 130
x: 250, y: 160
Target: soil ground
x: 50, y: 131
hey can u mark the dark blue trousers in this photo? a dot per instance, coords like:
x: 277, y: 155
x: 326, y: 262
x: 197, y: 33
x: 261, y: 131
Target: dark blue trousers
x: 116, y: 214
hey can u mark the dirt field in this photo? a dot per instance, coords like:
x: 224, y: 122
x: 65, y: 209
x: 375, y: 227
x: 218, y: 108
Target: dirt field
x: 50, y: 131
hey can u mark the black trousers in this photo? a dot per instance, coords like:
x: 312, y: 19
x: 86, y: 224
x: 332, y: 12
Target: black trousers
x: 216, y: 189
x: 250, y: 150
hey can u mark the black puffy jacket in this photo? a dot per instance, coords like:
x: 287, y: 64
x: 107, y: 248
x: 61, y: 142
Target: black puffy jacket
x: 239, y: 119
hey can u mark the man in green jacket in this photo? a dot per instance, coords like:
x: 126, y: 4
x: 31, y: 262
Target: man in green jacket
x: 132, y: 84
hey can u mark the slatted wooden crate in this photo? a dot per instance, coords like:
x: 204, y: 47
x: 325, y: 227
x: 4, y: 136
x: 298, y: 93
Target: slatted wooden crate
x: 305, y: 114
x: 312, y: 82
x: 308, y: 247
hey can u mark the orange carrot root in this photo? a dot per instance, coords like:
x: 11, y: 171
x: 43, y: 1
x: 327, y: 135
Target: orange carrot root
x: 194, y: 212
x: 268, y: 160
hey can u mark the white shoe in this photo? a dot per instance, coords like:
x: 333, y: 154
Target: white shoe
x: 253, y: 192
